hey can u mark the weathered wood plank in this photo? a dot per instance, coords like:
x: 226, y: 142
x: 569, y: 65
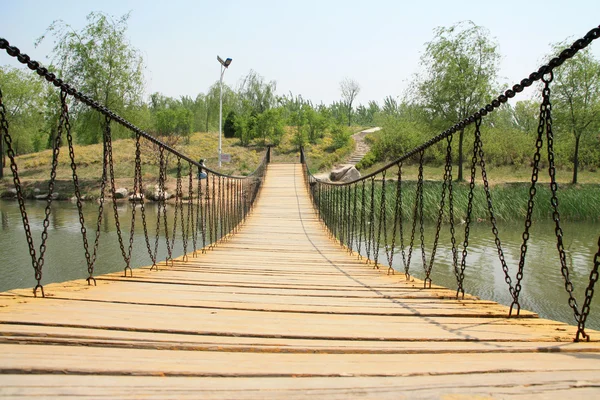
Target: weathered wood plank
x: 280, y: 310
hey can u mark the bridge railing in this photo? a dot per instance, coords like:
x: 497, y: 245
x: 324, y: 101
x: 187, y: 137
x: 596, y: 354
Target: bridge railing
x: 216, y: 203
x: 381, y: 215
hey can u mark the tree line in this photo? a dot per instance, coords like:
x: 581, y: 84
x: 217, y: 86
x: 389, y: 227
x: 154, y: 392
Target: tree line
x: 459, y: 74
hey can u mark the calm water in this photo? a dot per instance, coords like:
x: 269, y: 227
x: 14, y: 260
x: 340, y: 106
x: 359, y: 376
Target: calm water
x: 65, y: 259
x: 543, y: 285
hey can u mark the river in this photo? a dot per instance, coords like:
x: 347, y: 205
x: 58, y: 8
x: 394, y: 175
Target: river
x: 543, y: 285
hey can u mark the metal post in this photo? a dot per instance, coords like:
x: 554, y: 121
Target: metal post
x: 221, y: 113
x: 224, y: 65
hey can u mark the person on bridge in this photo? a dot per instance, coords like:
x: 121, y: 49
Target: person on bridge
x: 201, y: 173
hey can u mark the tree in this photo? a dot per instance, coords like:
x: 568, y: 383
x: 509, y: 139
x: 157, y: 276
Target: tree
x: 350, y: 89
x: 577, y: 92
x: 390, y: 106
x: 211, y: 104
x: 269, y: 125
x: 100, y: 62
x: 297, y: 119
x: 525, y: 115
x: 460, y: 66
x: 254, y: 90
x: 229, y: 125
x: 366, y: 115
x: 23, y: 97
x: 338, y: 112
x: 316, y: 122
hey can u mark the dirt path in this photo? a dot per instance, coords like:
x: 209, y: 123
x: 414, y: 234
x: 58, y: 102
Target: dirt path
x: 362, y: 147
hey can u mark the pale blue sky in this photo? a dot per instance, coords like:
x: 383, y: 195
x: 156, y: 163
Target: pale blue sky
x: 307, y: 47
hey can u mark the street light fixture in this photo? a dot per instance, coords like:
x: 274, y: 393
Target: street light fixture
x: 224, y: 65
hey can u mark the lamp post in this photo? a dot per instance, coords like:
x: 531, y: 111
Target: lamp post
x: 224, y: 65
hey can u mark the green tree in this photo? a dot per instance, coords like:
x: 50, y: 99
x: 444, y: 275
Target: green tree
x: 338, y: 112
x: 99, y: 61
x: 340, y: 136
x: 390, y: 106
x: 269, y: 125
x: 460, y: 66
x: 297, y: 120
x: 256, y: 92
x: 24, y: 99
x: 211, y: 101
x: 316, y: 123
x: 350, y: 89
x: 525, y: 115
x: 577, y: 92
x: 229, y: 125
x: 172, y: 117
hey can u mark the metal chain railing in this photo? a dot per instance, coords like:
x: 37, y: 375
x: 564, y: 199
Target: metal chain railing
x: 376, y: 206
x: 215, y: 207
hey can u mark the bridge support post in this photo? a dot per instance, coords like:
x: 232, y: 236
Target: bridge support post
x: 268, y: 154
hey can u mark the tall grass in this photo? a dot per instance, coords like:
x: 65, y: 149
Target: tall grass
x: 509, y: 201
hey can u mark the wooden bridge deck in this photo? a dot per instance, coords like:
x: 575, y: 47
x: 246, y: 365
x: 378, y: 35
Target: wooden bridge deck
x: 280, y: 310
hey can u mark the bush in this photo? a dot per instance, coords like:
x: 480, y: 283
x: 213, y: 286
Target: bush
x: 340, y: 136
x: 398, y: 135
x: 229, y: 127
x: 367, y: 161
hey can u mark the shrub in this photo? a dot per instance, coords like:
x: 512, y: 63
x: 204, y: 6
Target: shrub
x: 229, y: 127
x: 340, y: 136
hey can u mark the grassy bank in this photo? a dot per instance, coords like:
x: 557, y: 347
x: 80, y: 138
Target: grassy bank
x: 496, y: 174
x: 34, y: 169
x: 509, y: 200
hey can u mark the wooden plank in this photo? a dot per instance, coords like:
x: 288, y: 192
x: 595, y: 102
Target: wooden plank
x: 280, y: 310
x: 116, y: 361
x: 528, y: 385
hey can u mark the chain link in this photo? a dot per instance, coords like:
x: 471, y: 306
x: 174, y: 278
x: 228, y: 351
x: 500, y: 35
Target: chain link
x: 564, y: 269
x: 20, y: 197
x: 460, y: 274
x: 589, y: 294
x: 451, y: 203
x: 140, y: 196
x: 126, y: 254
x: 88, y: 258
x: 421, y: 222
x: 381, y: 221
x: 532, y: 192
x: 447, y: 175
x: 389, y: 251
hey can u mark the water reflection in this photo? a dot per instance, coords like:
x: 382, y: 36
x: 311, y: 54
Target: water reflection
x: 65, y: 259
x: 543, y: 286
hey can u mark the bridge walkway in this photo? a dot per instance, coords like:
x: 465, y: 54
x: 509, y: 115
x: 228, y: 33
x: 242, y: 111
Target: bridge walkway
x: 280, y: 310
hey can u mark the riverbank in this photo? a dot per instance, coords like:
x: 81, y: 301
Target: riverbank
x: 34, y: 168
x: 509, y: 200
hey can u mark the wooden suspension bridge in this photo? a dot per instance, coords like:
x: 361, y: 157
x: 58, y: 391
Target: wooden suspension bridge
x: 281, y: 310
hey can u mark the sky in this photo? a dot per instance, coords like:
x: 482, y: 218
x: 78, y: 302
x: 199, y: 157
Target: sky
x: 308, y: 47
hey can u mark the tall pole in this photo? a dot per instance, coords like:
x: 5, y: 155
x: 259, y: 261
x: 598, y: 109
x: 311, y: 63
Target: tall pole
x: 224, y: 65
x: 221, y: 113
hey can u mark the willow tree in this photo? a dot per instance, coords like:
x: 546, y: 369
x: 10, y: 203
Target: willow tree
x: 99, y: 61
x: 460, y: 68
x: 577, y: 98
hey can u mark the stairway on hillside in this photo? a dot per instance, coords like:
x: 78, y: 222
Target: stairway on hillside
x: 361, y: 148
